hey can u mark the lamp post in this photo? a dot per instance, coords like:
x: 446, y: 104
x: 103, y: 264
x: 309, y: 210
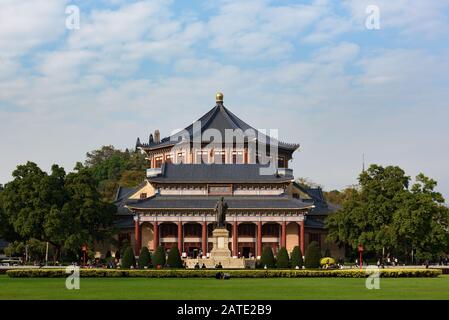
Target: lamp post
x: 360, y: 248
x: 46, y: 255
x: 84, y: 250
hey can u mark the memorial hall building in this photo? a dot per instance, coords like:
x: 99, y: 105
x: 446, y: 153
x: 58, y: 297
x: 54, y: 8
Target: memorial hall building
x: 186, y: 176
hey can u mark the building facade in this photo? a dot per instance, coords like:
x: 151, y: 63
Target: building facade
x: 220, y: 155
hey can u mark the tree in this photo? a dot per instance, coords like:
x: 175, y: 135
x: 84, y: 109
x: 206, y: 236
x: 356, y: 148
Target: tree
x: 64, y: 210
x: 112, y: 167
x: 91, y: 216
x: 144, y: 258
x: 296, y: 258
x: 128, y: 259
x: 421, y: 224
x: 174, y: 259
x: 30, y: 198
x: 307, y: 183
x: 313, y: 256
x: 267, y: 258
x: 7, y: 231
x: 282, y: 261
x: 339, y: 197
x: 388, y: 216
x: 159, y: 257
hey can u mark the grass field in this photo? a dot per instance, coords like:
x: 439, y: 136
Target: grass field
x: 273, y: 288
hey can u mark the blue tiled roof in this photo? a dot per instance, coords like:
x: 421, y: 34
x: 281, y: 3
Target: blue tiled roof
x: 218, y: 118
x: 217, y: 173
x: 209, y: 202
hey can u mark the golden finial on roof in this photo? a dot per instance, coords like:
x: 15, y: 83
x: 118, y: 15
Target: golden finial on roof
x: 219, y: 97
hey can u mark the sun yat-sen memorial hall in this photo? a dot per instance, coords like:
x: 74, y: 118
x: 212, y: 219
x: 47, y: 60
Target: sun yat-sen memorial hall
x: 220, y: 155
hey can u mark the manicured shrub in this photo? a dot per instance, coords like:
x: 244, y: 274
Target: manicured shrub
x: 313, y: 256
x: 205, y: 273
x: 296, y: 258
x: 128, y: 259
x: 174, y: 259
x: 124, y: 245
x: 159, y: 257
x: 144, y: 258
x: 267, y: 258
x: 282, y: 261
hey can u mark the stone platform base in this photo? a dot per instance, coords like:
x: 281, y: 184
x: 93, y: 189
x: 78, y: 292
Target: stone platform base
x: 227, y: 263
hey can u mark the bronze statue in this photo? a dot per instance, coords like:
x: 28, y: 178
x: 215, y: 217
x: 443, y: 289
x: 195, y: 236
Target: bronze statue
x: 220, y: 213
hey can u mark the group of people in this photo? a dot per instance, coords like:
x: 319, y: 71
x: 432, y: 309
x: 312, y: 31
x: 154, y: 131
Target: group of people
x: 217, y: 266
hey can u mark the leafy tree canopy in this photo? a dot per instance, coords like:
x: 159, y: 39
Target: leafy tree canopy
x: 339, y: 197
x: 387, y: 215
x: 64, y: 210
x: 112, y: 167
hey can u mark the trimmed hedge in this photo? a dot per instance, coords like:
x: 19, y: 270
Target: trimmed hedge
x: 144, y: 258
x: 208, y: 273
x: 267, y: 259
x: 296, y: 258
x: 128, y: 260
x: 159, y: 257
x: 282, y: 261
x: 313, y: 255
x: 174, y: 258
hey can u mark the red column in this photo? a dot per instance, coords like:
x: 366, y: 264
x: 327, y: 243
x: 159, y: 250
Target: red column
x: 180, y: 248
x: 259, y: 238
x: 137, y: 236
x: 284, y: 234
x: 235, y: 243
x: 156, y: 235
x: 204, y: 238
x: 301, y: 237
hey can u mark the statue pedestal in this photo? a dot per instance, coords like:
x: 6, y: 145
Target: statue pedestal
x: 220, y: 254
x: 220, y: 241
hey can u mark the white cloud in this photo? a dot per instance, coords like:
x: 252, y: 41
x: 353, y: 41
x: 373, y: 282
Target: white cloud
x: 415, y: 18
x: 256, y: 28
x: 101, y: 85
x: 29, y: 23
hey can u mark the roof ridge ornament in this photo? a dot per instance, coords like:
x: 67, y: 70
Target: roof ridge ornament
x: 219, y: 98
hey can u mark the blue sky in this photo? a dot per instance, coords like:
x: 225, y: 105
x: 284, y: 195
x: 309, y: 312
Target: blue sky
x: 308, y: 68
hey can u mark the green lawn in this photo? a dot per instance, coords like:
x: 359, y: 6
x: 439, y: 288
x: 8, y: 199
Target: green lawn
x: 273, y: 288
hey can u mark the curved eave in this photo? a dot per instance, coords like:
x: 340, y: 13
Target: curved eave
x: 212, y: 209
x: 156, y: 181
x: 147, y: 147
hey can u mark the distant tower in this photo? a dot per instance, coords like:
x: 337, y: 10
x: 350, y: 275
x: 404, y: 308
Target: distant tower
x: 157, y: 136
